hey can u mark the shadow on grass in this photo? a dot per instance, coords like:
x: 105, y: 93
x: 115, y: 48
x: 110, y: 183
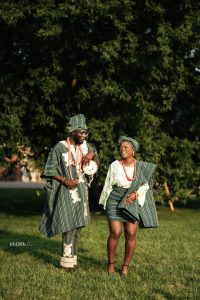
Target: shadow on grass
x: 29, y: 202
x: 22, y: 202
x: 26, y: 202
x: 44, y: 249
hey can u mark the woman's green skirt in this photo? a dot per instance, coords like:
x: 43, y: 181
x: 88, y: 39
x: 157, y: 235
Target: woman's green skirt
x: 113, y: 212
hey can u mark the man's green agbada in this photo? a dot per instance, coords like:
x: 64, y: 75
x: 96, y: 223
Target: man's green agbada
x: 66, y: 211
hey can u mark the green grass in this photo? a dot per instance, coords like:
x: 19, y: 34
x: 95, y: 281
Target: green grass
x: 166, y: 264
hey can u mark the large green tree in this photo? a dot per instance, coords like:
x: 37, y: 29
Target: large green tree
x: 130, y: 66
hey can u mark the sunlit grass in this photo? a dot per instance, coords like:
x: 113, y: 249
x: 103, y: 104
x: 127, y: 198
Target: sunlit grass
x: 166, y: 263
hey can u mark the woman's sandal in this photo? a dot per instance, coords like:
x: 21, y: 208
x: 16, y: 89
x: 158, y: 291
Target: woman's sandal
x: 109, y: 272
x: 124, y: 273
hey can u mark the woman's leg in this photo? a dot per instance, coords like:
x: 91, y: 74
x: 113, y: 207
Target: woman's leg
x: 115, y: 233
x: 130, y: 231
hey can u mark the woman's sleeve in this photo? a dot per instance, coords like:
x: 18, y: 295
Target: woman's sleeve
x: 142, y: 193
x: 107, y: 187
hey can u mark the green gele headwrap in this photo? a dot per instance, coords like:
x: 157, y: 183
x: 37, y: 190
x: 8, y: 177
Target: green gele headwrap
x: 77, y: 123
x: 134, y: 143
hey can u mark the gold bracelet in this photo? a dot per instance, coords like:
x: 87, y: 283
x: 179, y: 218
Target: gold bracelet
x: 63, y: 180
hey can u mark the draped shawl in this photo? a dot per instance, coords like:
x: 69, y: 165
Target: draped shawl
x: 147, y: 214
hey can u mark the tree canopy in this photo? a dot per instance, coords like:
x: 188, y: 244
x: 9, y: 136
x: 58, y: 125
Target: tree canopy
x: 131, y: 67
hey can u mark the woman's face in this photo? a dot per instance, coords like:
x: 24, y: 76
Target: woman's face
x: 126, y: 150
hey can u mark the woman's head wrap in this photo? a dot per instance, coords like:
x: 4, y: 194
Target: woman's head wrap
x: 77, y: 123
x: 134, y: 143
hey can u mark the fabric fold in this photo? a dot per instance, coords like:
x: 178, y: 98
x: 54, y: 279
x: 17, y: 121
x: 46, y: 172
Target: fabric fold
x: 147, y: 214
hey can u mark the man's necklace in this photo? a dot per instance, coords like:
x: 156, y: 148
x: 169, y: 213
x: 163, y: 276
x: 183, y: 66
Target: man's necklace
x: 78, y: 158
x: 134, y: 174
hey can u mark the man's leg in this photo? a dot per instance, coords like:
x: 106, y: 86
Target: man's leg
x: 69, y: 248
x: 75, y: 244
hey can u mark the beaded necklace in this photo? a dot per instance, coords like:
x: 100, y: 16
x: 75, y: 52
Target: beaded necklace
x: 78, y: 158
x: 134, y: 174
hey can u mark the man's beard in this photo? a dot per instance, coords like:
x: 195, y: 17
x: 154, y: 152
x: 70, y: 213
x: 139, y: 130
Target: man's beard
x: 77, y: 140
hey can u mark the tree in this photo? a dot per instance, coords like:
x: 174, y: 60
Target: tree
x: 130, y: 66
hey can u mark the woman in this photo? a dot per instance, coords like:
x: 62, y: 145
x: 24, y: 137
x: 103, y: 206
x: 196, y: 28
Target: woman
x: 128, y: 200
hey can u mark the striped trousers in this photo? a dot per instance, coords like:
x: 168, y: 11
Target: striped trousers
x: 69, y: 248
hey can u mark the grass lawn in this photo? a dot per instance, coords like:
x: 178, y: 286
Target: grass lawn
x: 166, y: 264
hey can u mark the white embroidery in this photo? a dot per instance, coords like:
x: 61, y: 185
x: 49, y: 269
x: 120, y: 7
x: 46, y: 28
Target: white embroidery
x: 65, y: 156
x: 84, y: 148
x: 81, y: 179
x: 75, y: 195
x: 67, y: 252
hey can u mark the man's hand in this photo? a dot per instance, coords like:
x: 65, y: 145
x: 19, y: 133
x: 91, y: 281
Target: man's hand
x: 70, y: 183
x: 87, y: 158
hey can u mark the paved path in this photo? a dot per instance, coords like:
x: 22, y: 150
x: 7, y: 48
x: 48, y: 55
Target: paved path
x: 21, y: 185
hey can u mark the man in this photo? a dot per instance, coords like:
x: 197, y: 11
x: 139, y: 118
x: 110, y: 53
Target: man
x: 67, y: 209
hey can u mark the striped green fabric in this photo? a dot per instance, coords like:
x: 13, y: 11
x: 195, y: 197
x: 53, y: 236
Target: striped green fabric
x: 71, y: 238
x: 113, y: 212
x: 146, y: 215
x: 134, y: 143
x: 77, y: 122
x: 65, y: 209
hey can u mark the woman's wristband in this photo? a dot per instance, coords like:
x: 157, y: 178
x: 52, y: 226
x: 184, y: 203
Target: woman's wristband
x: 63, y: 180
x: 136, y: 195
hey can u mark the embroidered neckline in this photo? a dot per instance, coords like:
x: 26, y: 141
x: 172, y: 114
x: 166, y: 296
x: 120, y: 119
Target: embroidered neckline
x: 78, y: 158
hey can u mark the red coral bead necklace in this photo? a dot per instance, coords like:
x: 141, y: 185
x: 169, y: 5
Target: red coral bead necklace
x: 124, y: 168
x: 78, y: 158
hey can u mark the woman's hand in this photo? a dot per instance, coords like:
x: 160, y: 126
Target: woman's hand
x: 131, y: 198
x: 87, y: 158
x: 70, y: 183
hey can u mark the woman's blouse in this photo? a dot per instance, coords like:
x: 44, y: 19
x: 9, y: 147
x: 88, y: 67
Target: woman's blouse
x: 116, y: 176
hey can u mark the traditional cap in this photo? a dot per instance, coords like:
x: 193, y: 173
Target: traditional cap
x: 134, y: 143
x: 77, y: 122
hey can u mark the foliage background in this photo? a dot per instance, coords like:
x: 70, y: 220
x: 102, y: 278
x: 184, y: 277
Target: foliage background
x: 132, y: 67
